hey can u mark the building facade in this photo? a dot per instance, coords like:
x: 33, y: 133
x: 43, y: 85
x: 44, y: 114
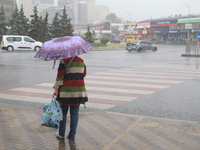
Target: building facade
x: 101, y: 11
x: 169, y: 30
x: 44, y: 4
x: 90, y: 10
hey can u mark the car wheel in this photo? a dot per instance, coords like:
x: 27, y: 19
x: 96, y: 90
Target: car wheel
x: 130, y: 50
x: 37, y: 48
x: 140, y: 49
x: 154, y: 49
x: 10, y: 48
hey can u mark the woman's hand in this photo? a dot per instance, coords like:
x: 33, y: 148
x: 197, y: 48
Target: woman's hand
x: 55, y: 93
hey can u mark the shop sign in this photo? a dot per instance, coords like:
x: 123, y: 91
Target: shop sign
x: 143, y: 25
x: 124, y: 32
x: 198, y: 36
x: 164, y: 22
x: 188, y: 26
x: 165, y: 31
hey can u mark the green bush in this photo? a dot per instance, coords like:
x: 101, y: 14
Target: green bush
x: 98, y: 44
x: 104, y: 40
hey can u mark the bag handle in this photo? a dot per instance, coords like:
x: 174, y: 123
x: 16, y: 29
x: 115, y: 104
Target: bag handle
x: 51, y: 102
x: 69, y: 63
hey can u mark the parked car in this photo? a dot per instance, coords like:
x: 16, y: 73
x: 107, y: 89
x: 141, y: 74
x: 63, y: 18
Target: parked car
x: 115, y: 40
x: 140, y: 45
x: 19, y: 42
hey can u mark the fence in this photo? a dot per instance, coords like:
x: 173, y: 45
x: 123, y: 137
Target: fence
x: 191, y: 46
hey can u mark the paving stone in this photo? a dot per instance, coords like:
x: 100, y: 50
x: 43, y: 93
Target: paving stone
x: 97, y: 131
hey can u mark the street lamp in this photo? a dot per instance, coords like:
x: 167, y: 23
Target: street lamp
x: 188, y: 6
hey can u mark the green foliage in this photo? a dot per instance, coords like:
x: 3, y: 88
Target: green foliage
x: 23, y: 26
x: 13, y: 19
x: 113, y: 18
x: 98, y: 44
x: 35, y: 25
x: 104, y: 40
x: 65, y: 25
x: 55, y: 27
x: 61, y: 26
x: 89, y: 36
x: 2, y: 22
x: 18, y: 23
x: 69, y: 28
x: 45, y: 29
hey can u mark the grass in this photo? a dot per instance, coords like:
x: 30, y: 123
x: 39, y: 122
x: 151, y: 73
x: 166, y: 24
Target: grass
x: 113, y: 46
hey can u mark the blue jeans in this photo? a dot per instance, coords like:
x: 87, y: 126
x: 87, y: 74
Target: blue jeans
x: 74, y: 114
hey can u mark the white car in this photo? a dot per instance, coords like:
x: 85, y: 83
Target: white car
x: 19, y: 42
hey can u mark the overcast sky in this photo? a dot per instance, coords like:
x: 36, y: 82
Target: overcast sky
x: 145, y: 9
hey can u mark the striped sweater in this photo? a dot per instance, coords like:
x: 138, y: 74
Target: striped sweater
x: 71, y: 84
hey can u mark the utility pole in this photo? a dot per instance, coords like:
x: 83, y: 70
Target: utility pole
x: 130, y: 18
x: 188, y: 6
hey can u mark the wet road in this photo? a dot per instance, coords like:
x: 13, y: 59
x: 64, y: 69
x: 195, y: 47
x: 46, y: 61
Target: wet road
x: 179, y: 101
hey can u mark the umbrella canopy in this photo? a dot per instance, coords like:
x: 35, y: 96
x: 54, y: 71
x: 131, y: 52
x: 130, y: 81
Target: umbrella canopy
x: 63, y: 47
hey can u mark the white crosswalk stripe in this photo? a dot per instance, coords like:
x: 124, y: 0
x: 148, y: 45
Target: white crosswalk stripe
x: 108, y: 89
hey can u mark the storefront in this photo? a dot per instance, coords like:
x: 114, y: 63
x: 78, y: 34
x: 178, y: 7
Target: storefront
x: 166, y: 35
x: 189, y: 26
x: 161, y: 30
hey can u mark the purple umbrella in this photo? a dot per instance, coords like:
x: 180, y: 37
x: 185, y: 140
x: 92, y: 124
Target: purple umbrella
x: 62, y: 48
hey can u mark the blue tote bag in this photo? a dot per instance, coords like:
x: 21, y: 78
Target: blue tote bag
x: 52, y: 115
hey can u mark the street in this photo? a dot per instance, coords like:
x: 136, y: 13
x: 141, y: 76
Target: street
x: 159, y: 85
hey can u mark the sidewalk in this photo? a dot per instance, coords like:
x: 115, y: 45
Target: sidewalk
x: 21, y: 130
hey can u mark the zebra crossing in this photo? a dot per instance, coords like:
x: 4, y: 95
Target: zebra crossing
x: 115, y: 87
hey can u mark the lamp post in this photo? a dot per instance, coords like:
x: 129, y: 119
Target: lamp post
x: 188, y: 6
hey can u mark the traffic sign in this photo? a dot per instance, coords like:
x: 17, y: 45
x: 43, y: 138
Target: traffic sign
x: 198, y: 36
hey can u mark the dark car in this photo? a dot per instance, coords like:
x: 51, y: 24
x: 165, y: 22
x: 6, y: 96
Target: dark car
x: 115, y: 40
x: 140, y: 45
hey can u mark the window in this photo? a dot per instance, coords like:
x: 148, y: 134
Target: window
x: 18, y: 39
x: 28, y: 40
x: 10, y: 38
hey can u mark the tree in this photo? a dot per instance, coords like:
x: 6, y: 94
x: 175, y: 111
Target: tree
x: 69, y: 28
x: 113, y: 18
x: 104, y: 40
x: 89, y: 36
x: 45, y: 29
x: 63, y: 22
x: 2, y: 22
x: 66, y: 26
x: 55, y: 28
x: 24, y: 27
x: 13, y: 22
x: 18, y: 23
x: 35, y: 25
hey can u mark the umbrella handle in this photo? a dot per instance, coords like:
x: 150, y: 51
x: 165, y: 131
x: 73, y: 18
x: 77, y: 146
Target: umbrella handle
x: 54, y: 63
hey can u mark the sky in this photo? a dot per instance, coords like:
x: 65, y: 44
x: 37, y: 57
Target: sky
x: 146, y: 9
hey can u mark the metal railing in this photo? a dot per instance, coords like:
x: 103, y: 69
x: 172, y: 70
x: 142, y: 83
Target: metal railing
x: 191, y: 46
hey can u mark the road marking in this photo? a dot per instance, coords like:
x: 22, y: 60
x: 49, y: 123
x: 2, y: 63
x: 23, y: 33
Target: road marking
x: 110, y: 88
x: 107, y: 147
x: 124, y: 84
x: 133, y: 79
